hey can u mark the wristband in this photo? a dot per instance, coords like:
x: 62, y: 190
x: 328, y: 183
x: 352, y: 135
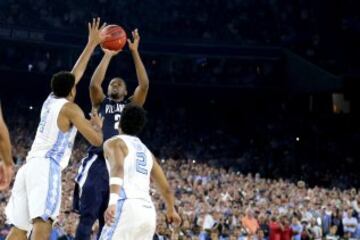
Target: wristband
x: 116, y: 181
x: 113, y: 199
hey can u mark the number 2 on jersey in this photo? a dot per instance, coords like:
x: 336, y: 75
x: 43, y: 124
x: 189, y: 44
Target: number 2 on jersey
x: 117, y: 121
x: 141, y: 163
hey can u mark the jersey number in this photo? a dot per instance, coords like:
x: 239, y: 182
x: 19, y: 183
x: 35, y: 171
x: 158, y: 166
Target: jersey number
x: 117, y: 121
x: 141, y: 163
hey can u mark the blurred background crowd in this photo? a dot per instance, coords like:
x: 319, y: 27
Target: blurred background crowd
x: 284, y: 177
x: 253, y: 107
x: 309, y: 28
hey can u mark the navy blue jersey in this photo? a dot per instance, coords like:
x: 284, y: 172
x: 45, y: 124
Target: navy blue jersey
x: 111, y: 112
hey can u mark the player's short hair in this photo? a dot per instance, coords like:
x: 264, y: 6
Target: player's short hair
x: 62, y: 83
x: 133, y: 119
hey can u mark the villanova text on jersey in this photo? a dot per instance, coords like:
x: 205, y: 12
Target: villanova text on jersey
x: 111, y: 112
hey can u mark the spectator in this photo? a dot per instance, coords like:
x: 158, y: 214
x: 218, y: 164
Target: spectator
x: 332, y: 235
x: 286, y: 230
x: 264, y: 225
x: 337, y: 221
x: 249, y: 222
x: 350, y: 223
x: 306, y: 231
x: 275, y: 229
x: 296, y: 228
x: 260, y: 235
x: 316, y: 230
x: 326, y: 220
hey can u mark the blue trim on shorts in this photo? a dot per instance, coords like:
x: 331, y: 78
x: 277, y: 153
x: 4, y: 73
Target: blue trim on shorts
x: 108, y: 231
x: 85, y: 161
x: 54, y: 193
x: 54, y: 155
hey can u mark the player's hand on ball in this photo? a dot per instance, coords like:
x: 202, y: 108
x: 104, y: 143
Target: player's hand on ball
x: 134, y: 45
x: 110, y: 214
x: 95, y: 36
x: 173, y: 217
x: 6, y: 174
x: 111, y: 53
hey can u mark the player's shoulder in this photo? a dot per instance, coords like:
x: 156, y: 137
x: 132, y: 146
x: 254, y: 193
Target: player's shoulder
x: 71, y: 106
x: 71, y: 109
x: 115, y: 141
x: 105, y: 100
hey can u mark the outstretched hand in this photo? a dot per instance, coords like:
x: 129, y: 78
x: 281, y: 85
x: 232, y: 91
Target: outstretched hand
x: 95, y: 36
x: 134, y: 45
x: 111, y: 53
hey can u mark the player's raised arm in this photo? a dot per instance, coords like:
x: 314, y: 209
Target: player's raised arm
x: 95, y: 38
x: 5, y: 155
x: 158, y: 176
x: 143, y: 80
x: 115, y: 152
x: 91, y: 130
x: 96, y: 92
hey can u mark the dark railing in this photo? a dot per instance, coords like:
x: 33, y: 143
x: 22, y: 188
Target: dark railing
x: 62, y: 39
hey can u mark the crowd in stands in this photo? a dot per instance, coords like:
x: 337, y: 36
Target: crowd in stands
x: 166, y: 69
x: 234, y: 20
x: 200, y: 20
x: 303, y: 25
x: 216, y: 203
x: 231, y: 185
x: 263, y: 175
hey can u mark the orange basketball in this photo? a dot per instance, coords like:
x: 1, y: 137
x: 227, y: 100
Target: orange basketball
x: 116, y: 37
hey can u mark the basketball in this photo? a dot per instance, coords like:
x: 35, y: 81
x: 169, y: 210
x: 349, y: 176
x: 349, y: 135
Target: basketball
x: 116, y: 37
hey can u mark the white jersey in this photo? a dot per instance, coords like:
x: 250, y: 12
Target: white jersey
x: 50, y: 142
x: 135, y: 216
x: 137, y: 169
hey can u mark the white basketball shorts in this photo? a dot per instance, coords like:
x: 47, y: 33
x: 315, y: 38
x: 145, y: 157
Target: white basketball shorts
x: 135, y: 219
x: 36, y: 193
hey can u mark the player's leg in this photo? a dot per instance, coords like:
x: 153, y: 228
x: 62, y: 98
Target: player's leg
x: 86, y: 221
x: 41, y: 229
x: 91, y: 205
x: 82, y: 198
x: 16, y: 234
x: 104, y: 205
x: 81, y: 178
x: 17, y: 208
x: 43, y: 182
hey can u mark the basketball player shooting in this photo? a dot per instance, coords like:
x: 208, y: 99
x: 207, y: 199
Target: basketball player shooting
x: 36, y: 195
x: 131, y: 213
x: 92, y: 189
x: 6, y: 161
